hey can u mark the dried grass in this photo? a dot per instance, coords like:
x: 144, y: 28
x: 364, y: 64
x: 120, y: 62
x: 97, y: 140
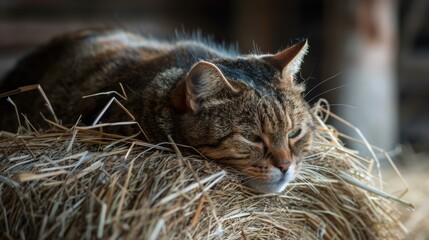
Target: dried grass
x: 79, y: 182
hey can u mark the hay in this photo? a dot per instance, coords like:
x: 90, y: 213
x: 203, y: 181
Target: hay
x: 79, y: 182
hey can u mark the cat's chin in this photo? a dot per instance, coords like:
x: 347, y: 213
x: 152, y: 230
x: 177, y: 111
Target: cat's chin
x: 276, y: 185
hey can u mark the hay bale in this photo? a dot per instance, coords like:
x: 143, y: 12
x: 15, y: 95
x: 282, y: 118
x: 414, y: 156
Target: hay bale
x: 82, y: 183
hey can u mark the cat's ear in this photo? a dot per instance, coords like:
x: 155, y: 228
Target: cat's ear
x: 289, y: 62
x: 202, y: 82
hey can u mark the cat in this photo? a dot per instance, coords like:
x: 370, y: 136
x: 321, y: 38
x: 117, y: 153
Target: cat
x: 243, y: 111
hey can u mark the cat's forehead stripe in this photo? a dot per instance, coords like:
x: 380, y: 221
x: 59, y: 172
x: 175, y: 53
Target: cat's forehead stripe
x: 274, y: 115
x: 289, y: 120
x: 281, y: 113
x: 252, y: 72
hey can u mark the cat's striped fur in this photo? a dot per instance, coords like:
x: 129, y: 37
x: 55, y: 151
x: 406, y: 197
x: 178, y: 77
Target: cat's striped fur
x: 242, y: 111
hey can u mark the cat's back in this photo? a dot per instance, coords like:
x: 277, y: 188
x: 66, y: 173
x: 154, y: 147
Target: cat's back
x: 85, y: 62
x: 80, y: 55
x: 81, y: 52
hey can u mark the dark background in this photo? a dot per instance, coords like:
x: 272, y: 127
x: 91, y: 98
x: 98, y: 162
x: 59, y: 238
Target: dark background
x: 332, y: 28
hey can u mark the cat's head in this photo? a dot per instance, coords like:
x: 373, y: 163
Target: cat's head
x: 248, y: 113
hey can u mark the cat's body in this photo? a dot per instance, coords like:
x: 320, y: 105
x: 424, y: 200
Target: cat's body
x: 243, y: 111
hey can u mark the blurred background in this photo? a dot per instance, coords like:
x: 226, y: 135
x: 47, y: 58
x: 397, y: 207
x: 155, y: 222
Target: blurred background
x: 368, y: 58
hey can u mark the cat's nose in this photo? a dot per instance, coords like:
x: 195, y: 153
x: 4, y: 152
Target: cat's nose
x: 283, y: 165
x: 282, y: 159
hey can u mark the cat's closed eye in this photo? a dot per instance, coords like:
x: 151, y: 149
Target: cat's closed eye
x: 255, y: 138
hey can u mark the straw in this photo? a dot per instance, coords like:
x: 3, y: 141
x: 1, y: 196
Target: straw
x: 82, y: 183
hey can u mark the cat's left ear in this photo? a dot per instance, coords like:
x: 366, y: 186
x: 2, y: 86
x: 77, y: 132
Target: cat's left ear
x: 288, y: 62
x: 202, y: 82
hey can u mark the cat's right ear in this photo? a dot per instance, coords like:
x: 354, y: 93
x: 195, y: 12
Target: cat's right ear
x: 202, y: 82
x: 289, y: 62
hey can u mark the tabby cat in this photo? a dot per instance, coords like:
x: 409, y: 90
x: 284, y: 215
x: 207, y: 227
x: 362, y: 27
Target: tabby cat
x: 243, y: 111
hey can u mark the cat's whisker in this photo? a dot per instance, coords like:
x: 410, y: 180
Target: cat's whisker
x: 309, y: 77
x: 303, y: 179
x: 341, y: 105
x: 314, y: 172
x: 312, y: 154
x: 309, y: 183
x: 322, y: 82
x: 311, y: 157
x: 248, y: 179
x: 329, y: 90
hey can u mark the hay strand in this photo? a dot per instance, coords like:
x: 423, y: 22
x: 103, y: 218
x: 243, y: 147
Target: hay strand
x: 81, y: 182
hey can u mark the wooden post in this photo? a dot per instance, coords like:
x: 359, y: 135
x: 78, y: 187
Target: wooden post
x: 368, y: 66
